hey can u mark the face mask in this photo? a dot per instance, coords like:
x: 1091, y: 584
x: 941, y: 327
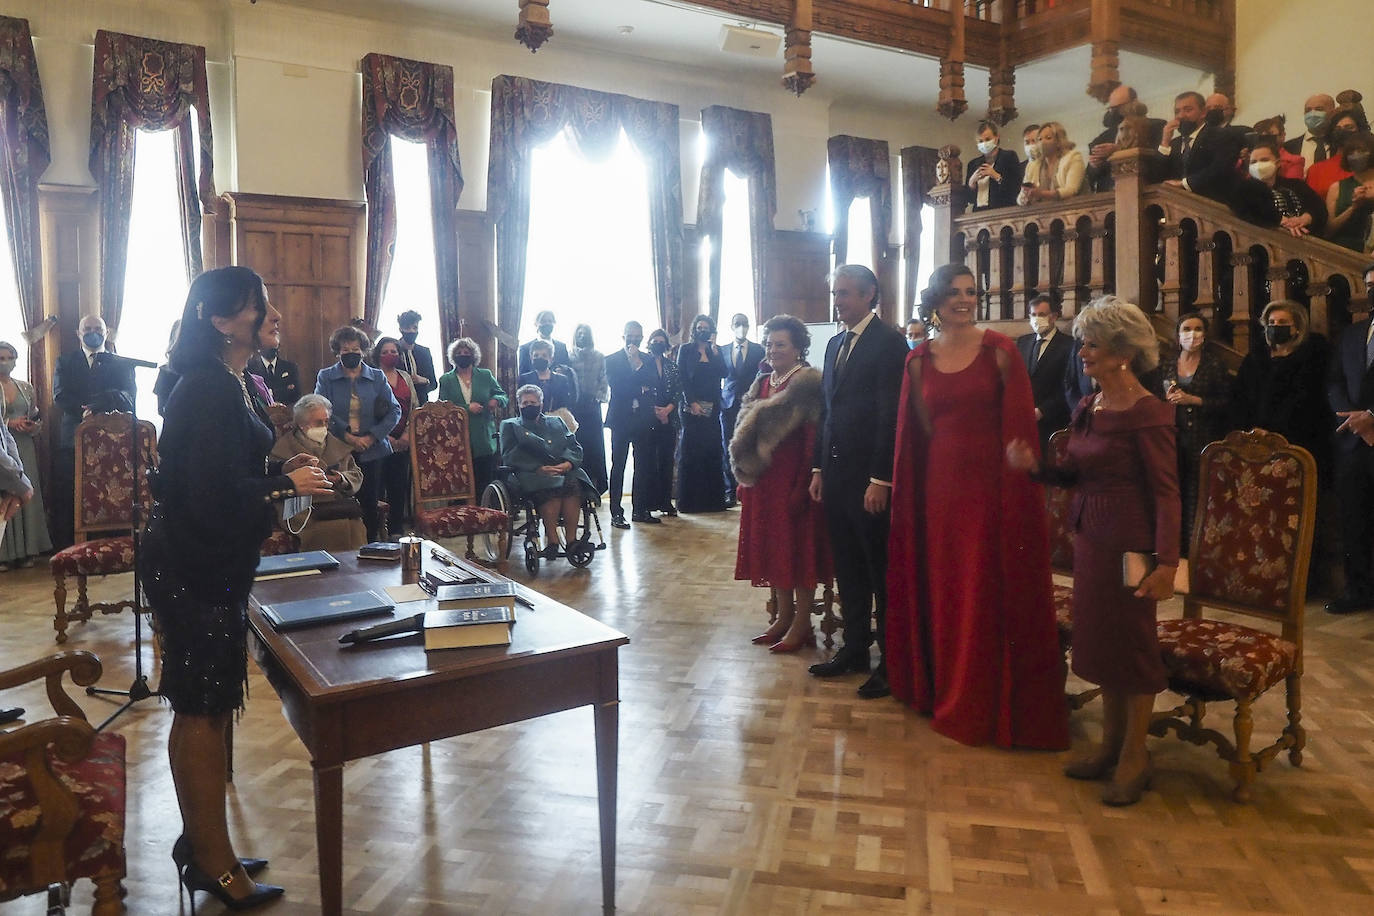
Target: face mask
x: 632, y: 343
x: 1186, y: 126
x: 1049, y: 147
x: 463, y: 361
x: 269, y: 354
x: 1214, y: 117
x: 410, y: 336
x: 1032, y: 150
x: 389, y: 360
x: 6, y: 366
x: 741, y: 331
x: 351, y: 360
x: 93, y: 340
x: 1040, y: 323
x: 1357, y: 161
x: 1112, y: 119
x: 546, y: 330
x: 1190, y: 340
x: 1315, y: 121
x: 1263, y: 170
x: 658, y: 347
x: 583, y: 340
x: 912, y: 344
x: 529, y: 413
x: 702, y: 336
x: 539, y: 364
x: 987, y: 146
x: 317, y: 434
x: 1339, y: 136
x: 1278, y: 334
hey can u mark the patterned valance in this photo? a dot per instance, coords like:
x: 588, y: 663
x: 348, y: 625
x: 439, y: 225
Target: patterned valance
x: 860, y: 168
x: 526, y: 113
x: 414, y: 101
x: 741, y: 141
x: 24, y: 156
x: 918, y: 177
x: 142, y: 83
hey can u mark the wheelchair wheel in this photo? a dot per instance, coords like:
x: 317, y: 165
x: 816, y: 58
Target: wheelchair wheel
x: 581, y: 553
x: 496, y: 547
x: 531, y: 558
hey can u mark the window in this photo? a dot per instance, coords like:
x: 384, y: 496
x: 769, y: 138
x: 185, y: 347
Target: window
x: 413, y: 283
x: 11, y: 318
x: 860, y: 233
x: 736, y: 260
x: 155, y: 281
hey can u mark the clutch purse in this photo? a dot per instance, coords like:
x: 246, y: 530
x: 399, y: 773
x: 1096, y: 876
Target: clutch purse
x: 1135, y: 566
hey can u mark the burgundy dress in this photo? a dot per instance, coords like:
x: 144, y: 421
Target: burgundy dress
x: 1124, y: 470
x: 782, y: 539
x: 971, y: 638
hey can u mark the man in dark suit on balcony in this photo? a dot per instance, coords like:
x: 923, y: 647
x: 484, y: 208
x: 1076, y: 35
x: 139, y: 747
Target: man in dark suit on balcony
x: 1046, y: 353
x: 741, y: 368
x: 1350, y: 388
x: 1119, y: 104
x: 1202, y: 152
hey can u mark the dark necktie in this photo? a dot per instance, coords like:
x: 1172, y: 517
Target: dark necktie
x: 1035, y: 353
x: 1369, y: 351
x: 1320, y: 154
x: 739, y: 355
x: 842, y: 357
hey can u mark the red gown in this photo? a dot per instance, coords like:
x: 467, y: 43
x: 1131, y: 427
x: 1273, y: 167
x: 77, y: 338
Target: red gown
x: 782, y: 539
x: 971, y: 638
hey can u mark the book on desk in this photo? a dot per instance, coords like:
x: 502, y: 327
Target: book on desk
x: 475, y: 594
x: 295, y: 564
x: 467, y: 628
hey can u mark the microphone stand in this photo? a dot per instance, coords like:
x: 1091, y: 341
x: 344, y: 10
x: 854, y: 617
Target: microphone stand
x: 138, y: 690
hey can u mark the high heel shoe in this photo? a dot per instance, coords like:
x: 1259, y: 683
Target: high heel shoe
x: 770, y: 636
x: 181, y: 855
x: 806, y: 642
x: 1090, y: 768
x: 1121, y: 795
x: 196, y: 880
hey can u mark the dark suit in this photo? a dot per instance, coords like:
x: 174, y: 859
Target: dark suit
x: 854, y: 444
x: 418, y: 361
x: 739, y: 375
x: 560, y: 355
x: 1099, y: 177
x: 627, y: 417
x: 1047, y: 381
x: 1209, y: 166
x: 283, y: 377
x: 1000, y: 193
x: 77, y: 384
x: 1350, y: 386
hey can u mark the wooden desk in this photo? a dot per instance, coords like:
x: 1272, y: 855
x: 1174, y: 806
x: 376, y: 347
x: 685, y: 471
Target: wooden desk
x: 347, y: 703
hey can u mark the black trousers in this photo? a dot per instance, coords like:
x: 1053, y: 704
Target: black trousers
x: 483, y: 472
x: 858, y: 546
x: 1355, y: 489
x: 395, y: 489
x: 728, y: 416
x: 63, y: 505
x: 640, y: 496
x: 368, y: 494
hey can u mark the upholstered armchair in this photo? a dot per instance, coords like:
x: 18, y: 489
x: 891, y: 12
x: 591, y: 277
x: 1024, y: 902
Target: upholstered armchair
x: 1252, y: 543
x: 441, y: 472
x: 62, y: 793
x: 103, y: 501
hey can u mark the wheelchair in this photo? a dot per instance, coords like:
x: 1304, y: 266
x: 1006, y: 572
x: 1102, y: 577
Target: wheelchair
x: 503, y: 494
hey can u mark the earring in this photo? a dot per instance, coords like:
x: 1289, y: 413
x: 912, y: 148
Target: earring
x: 229, y: 342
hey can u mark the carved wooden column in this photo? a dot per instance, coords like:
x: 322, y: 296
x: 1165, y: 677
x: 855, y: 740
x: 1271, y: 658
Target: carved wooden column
x: 1171, y: 288
x: 994, y: 290
x: 1134, y: 249
x: 1240, y: 300
x: 797, y: 75
x: 1278, y: 278
x: 1106, y: 32
x: 534, y: 26
x: 1317, y: 292
x: 1018, y: 274
x: 1045, y: 284
x: 1206, y: 287
x: 952, y: 102
x: 1097, y: 280
x: 1002, y: 78
x: 1068, y: 284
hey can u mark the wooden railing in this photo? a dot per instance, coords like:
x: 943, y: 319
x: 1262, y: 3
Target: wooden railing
x: 1164, y: 248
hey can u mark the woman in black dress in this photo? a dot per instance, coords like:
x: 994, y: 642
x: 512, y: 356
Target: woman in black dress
x: 665, y: 422
x: 1198, y: 384
x: 214, y: 492
x: 701, y: 456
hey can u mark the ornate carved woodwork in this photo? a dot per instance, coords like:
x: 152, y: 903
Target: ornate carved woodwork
x: 534, y: 26
x: 797, y: 75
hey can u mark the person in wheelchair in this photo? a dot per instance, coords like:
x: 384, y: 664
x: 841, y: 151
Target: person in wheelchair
x: 546, y: 460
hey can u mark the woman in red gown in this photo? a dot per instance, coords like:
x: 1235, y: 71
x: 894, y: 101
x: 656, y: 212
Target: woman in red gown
x: 782, y: 542
x: 971, y: 637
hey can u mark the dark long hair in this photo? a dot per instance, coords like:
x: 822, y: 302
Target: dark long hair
x: 222, y: 292
x: 937, y: 291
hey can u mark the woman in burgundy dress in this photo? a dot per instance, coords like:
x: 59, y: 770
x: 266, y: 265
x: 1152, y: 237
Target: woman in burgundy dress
x: 1122, y: 462
x: 971, y: 638
x: 782, y: 543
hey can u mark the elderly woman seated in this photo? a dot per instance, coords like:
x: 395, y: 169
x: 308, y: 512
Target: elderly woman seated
x: 335, y: 520
x: 547, y: 461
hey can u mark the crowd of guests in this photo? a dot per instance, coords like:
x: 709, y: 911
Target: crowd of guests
x: 1320, y: 183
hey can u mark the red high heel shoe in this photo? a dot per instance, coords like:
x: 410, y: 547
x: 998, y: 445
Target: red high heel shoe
x: 768, y: 637
x: 783, y: 646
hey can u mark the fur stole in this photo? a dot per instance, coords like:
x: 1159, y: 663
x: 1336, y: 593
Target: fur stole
x: 764, y: 423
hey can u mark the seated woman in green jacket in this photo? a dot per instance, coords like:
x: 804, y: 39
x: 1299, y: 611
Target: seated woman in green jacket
x: 470, y: 386
x: 547, y: 460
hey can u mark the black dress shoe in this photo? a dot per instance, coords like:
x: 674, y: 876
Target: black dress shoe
x: 618, y: 521
x: 845, y: 661
x: 1348, y: 604
x: 646, y: 518
x: 13, y: 714
x: 876, y: 685
x: 731, y: 502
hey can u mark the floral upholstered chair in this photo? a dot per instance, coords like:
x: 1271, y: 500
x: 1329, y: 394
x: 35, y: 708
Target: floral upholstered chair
x: 62, y: 793
x: 441, y: 468
x: 104, y: 501
x: 1252, y: 544
x: 1057, y: 503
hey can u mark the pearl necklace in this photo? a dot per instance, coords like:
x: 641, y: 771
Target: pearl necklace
x: 243, y: 386
x: 775, y: 382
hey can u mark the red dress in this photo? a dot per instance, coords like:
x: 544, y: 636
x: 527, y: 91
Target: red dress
x: 782, y: 539
x: 971, y: 637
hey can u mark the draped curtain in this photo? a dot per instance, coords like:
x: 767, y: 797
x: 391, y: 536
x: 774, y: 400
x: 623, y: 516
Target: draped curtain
x: 918, y: 177
x: 141, y: 83
x: 741, y: 141
x: 860, y: 168
x: 526, y: 113
x: 24, y: 155
x: 414, y: 101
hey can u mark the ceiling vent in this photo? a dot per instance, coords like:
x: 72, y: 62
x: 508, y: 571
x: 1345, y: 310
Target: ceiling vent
x: 736, y: 39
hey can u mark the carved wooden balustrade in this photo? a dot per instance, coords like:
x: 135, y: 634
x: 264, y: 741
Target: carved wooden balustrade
x: 1162, y: 247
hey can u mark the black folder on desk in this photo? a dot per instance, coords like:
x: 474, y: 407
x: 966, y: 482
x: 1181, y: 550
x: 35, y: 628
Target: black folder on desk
x: 295, y: 562
x: 309, y: 612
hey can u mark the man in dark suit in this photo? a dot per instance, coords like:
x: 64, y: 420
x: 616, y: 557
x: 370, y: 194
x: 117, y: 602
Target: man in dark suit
x: 741, y: 368
x: 544, y: 324
x: 994, y: 176
x: 1221, y: 113
x: 85, y: 381
x: 1350, y: 388
x: 851, y: 474
x: 1046, y: 353
x: 1202, y: 155
x: 415, y: 359
x: 281, y: 375
x: 1120, y: 104
x: 632, y: 383
x: 1314, y: 144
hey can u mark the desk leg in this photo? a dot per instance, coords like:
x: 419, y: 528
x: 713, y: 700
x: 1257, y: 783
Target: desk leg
x: 329, y: 836
x: 607, y: 719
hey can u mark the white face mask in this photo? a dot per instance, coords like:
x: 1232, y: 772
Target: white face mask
x: 987, y: 146
x: 317, y: 434
x: 741, y: 331
x: 1190, y: 340
x: 1041, y: 323
x: 1032, y: 150
x: 1263, y: 171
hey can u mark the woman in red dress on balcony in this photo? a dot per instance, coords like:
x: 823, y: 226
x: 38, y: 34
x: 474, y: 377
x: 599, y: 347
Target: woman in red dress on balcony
x: 782, y: 541
x: 971, y: 637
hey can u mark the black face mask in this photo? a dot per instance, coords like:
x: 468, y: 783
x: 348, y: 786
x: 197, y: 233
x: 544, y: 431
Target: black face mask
x: 539, y: 364
x: 1278, y: 334
x: 351, y: 360
x: 1338, y: 137
x: 410, y: 336
x: 702, y: 336
x: 269, y: 354
x: 529, y: 413
x: 546, y: 330
x: 1357, y: 162
x: 463, y: 361
x: 1186, y: 126
x: 658, y: 347
x: 1112, y: 119
x: 1215, y: 116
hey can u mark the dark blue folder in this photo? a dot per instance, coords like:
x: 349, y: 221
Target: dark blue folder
x: 295, y: 562
x: 310, y: 612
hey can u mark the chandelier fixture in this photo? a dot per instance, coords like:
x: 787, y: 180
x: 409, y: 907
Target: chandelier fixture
x: 534, y: 27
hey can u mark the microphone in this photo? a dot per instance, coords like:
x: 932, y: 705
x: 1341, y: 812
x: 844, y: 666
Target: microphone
x: 114, y: 359
x: 382, y: 630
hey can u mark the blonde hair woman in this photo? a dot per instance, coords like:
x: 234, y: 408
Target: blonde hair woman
x: 1058, y: 173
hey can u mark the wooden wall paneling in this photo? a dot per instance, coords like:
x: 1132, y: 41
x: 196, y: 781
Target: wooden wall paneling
x: 799, y: 276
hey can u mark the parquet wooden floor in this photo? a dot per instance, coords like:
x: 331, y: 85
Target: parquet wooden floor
x: 748, y: 787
